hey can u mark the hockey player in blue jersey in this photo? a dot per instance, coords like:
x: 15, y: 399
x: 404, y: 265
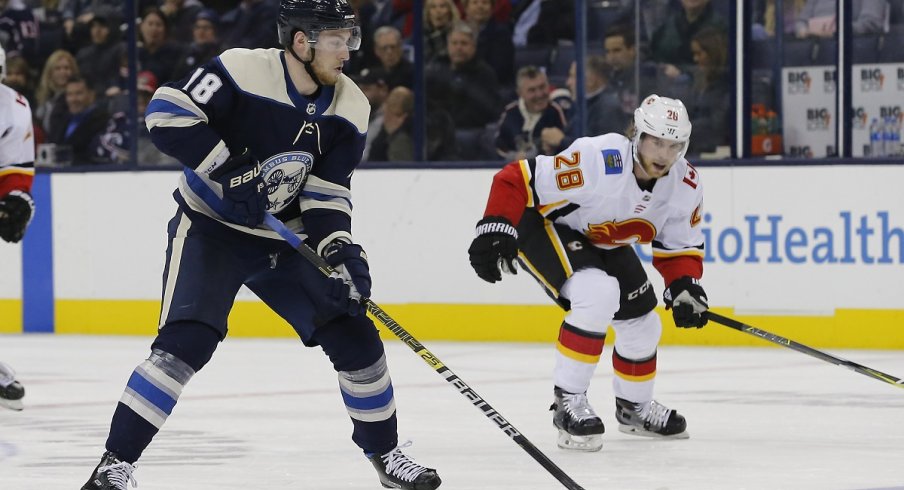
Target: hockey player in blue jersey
x: 276, y: 131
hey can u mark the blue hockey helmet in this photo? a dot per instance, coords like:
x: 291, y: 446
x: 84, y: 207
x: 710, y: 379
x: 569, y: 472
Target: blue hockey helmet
x: 314, y: 16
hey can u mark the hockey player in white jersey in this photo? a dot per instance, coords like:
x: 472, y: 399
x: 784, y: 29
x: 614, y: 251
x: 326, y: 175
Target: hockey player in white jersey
x: 570, y: 220
x: 279, y: 132
x: 17, y: 156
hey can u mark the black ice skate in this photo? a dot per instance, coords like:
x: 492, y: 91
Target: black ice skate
x: 579, y: 427
x: 111, y: 474
x: 651, y: 419
x: 11, y: 391
x: 398, y: 471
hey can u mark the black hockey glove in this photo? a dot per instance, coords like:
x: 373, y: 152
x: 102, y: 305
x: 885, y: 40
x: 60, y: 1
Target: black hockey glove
x: 352, y: 274
x: 16, y: 209
x: 495, y: 248
x: 244, y: 193
x: 686, y: 298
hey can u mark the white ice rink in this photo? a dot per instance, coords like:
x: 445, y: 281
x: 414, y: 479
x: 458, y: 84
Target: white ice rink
x: 266, y: 414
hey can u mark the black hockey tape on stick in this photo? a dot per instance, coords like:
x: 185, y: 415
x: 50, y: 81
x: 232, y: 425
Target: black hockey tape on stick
x: 428, y: 357
x: 776, y: 339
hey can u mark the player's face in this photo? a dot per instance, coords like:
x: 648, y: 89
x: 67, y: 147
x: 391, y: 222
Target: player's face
x: 332, y: 53
x: 657, y: 155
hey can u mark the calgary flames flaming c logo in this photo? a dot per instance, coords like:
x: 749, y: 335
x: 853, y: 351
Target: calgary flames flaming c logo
x: 622, y: 233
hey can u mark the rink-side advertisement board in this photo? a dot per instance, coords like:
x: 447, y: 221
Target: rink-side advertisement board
x: 809, y: 119
x: 815, y: 253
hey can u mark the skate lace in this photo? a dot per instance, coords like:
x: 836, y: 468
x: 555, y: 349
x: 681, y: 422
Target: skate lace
x: 400, y: 466
x: 577, y: 406
x: 119, y: 474
x: 655, y: 414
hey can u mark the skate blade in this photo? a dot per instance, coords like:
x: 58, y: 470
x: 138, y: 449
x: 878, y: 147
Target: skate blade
x: 12, y: 404
x: 589, y: 443
x: 637, y: 431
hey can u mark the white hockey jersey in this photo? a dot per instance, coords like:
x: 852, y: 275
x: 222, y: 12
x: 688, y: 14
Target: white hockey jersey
x: 591, y: 187
x: 17, y: 143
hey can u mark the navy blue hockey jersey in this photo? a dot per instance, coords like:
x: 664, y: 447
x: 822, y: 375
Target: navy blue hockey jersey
x: 308, y: 146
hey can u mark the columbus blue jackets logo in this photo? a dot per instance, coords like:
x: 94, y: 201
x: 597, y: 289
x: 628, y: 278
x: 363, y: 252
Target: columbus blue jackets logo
x: 285, y: 175
x: 612, y: 161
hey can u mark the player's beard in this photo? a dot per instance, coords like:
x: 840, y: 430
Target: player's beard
x: 326, y: 76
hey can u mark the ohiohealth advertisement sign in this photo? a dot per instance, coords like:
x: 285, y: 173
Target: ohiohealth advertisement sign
x: 804, y: 239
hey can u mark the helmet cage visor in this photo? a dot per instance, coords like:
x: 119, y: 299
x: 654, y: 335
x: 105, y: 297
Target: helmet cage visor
x: 337, y: 39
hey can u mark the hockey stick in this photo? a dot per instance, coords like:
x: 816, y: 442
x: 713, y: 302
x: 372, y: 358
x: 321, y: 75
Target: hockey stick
x: 776, y: 339
x: 430, y: 359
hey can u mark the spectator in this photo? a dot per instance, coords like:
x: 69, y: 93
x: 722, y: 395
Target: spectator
x: 100, y: 60
x: 439, y: 17
x: 622, y: 57
x: 463, y: 85
x: 601, y: 105
x: 19, y: 30
x: 711, y: 101
x: 19, y: 78
x: 518, y: 136
x: 156, y: 53
x: 671, y: 41
x: 494, y: 39
x: 77, y: 14
x: 204, y: 46
x: 113, y: 145
x: 373, y: 83
x: 247, y: 26
x: 818, y: 18
x: 388, y: 49
x: 77, y: 122
x: 181, y: 16
x: 395, y: 141
x: 60, y: 67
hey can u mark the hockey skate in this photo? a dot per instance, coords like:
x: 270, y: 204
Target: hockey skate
x: 398, y: 471
x: 111, y: 474
x: 11, y: 391
x: 651, y: 419
x: 580, y: 429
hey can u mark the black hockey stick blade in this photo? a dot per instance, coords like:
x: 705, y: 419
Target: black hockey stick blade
x: 782, y: 341
x: 433, y: 361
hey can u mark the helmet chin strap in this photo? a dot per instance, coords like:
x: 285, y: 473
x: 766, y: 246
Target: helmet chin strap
x: 307, y: 65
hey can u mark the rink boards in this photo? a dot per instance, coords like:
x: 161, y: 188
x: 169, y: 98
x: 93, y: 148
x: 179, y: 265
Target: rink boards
x: 810, y: 252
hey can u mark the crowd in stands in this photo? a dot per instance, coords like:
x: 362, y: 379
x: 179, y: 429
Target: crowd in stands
x: 499, y: 74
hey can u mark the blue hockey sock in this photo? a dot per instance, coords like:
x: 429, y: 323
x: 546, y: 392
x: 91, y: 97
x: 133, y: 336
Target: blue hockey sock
x: 150, y: 395
x: 368, y: 397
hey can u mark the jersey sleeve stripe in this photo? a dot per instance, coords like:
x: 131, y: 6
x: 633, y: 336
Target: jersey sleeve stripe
x: 329, y: 238
x: 17, y: 170
x: 678, y: 253
x: 317, y: 185
x: 335, y: 205
x: 527, y: 172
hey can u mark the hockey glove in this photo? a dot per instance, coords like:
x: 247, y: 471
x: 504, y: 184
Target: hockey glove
x: 16, y: 209
x: 495, y: 248
x: 351, y: 269
x: 686, y: 298
x: 244, y: 193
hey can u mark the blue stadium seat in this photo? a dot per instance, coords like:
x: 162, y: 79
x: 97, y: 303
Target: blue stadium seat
x: 890, y: 46
x: 561, y: 61
x: 826, y: 52
x: 865, y: 49
x: 538, y: 56
x: 798, y: 52
x: 762, y: 54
